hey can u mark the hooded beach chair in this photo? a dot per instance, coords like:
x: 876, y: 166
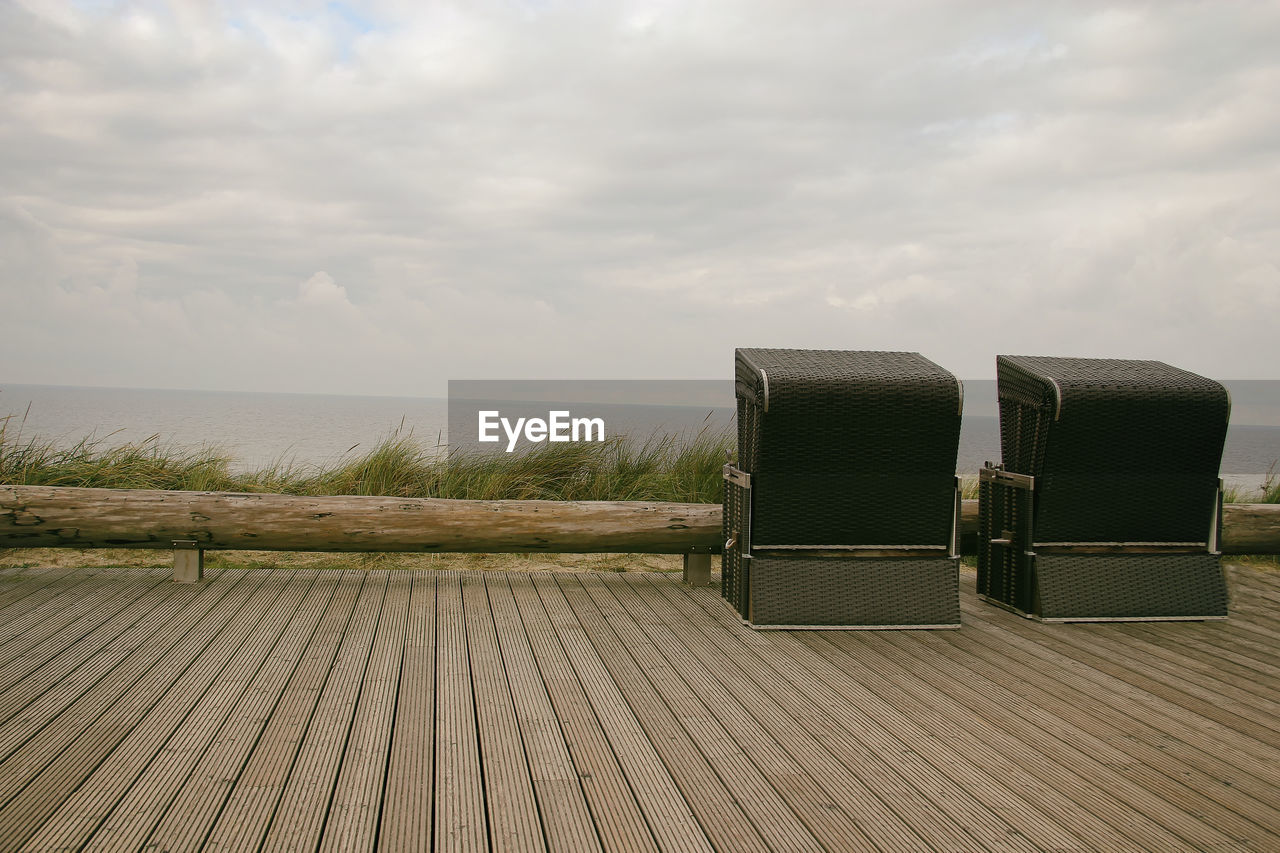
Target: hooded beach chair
x: 841, y: 511
x: 1108, y: 503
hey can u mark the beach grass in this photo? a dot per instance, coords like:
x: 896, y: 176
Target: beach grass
x: 1267, y: 491
x: 662, y: 467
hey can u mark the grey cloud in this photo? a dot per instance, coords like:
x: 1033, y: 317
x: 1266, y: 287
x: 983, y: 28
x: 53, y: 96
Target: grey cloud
x: 497, y: 189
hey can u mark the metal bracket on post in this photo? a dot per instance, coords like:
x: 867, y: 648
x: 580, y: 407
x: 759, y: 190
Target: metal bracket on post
x: 697, y: 569
x: 188, y: 561
x: 1215, y: 524
x: 954, y: 549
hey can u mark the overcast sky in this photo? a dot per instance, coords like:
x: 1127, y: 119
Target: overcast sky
x: 377, y: 197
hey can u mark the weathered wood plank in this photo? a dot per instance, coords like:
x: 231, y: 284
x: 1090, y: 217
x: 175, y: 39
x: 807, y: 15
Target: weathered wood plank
x: 672, y: 824
x: 866, y: 694
x: 460, y: 821
x: 1096, y: 648
x: 407, y: 810
x: 246, y: 815
x: 508, y: 787
x: 354, y: 811
x: 696, y: 752
x: 1248, y: 655
x: 230, y: 714
x: 299, y: 820
x: 1223, y: 663
x: 791, y: 807
x: 934, y: 809
x: 1264, y: 604
x: 1174, y: 728
x: 1203, y: 785
x: 30, y: 650
x: 854, y: 736
x: 1087, y: 774
x: 204, y: 755
x: 1048, y: 788
x: 566, y: 816
x: 209, y: 686
x: 98, y: 671
x: 51, y: 516
x: 1110, y: 687
x: 1251, y: 529
x: 80, y: 660
x: 22, y: 589
x: 619, y: 820
x: 39, y: 775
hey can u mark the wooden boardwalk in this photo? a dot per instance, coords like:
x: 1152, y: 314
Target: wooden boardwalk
x: 493, y: 711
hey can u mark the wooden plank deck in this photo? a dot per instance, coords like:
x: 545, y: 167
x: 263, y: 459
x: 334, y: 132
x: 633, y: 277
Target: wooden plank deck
x: 576, y: 711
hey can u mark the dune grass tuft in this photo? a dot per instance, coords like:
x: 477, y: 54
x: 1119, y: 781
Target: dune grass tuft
x: 94, y: 462
x: 1267, y: 492
x: 660, y: 468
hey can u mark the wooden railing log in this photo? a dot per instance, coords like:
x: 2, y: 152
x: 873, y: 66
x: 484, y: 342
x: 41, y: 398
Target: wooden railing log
x: 1246, y: 528
x: 48, y: 516
x: 44, y: 517
x: 1251, y: 529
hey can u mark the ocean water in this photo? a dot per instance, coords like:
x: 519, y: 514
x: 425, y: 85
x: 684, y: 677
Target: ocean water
x: 259, y: 429
x: 256, y: 429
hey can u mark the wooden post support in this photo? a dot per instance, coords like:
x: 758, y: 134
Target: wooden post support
x: 697, y: 569
x: 188, y: 561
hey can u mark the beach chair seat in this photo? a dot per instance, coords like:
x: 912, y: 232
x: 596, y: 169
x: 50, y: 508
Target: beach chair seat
x: 1107, y: 504
x: 841, y: 510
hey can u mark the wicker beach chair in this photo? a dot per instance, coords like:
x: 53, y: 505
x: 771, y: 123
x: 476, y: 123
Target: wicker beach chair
x: 1108, y: 503
x: 841, y: 511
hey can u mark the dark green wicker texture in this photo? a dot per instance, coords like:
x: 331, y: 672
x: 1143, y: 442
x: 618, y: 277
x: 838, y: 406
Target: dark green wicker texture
x: 800, y: 591
x: 853, y: 448
x: 733, y: 575
x: 1122, y: 586
x: 1004, y: 571
x: 1130, y: 454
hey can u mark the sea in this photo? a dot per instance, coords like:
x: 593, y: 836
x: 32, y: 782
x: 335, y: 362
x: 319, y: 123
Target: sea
x: 258, y: 429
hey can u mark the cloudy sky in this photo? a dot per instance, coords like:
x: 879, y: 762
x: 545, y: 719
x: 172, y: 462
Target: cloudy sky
x: 376, y: 197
